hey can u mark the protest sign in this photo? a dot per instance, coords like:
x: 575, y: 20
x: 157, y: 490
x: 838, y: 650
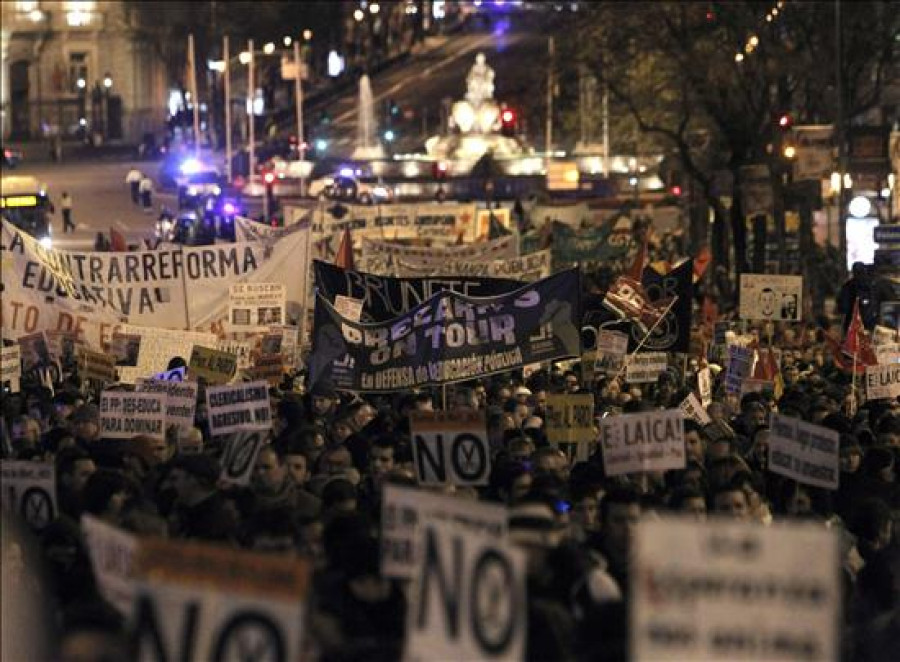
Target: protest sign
x: 704, y: 386
x: 646, y: 441
x: 756, y: 386
x: 181, y: 399
x: 569, y: 418
x: 253, y: 305
x: 239, y: 457
x: 203, y: 602
x: 28, y: 489
x: 433, y: 257
x: 348, y: 307
x: 124, y: 415
x: 450, y: 447
x: 469, y: 600
x: 740, y: 367
x: 883, y: 335
x: 213, y: 365
x: 126, y: 348
x: 385, y: 297
x: 887, y: 353
x: 63, y: 348
x: 443, y: 221
x: 404, y: 510
x: 805, y: 452
x: 267, y: 367
x: 290, y: 344
x: 173, y: 288
x: 770, y: 297
x: 692, y: 408
x: 242, y: 350
x: 112, y: 551
x: 883, y: 381
x: 96, y: 365
x: 448, y: 338
x: 612, y: 346
x: 159, y: 347
x: 10, y: 368
x: 727, y: 590
x: 644, y: 368
x: 237, y: 407
x: 35, y: 351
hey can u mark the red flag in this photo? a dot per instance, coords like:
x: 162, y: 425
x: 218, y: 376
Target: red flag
x: 701, y: 261
x: 629, y: 300
x: 857, y: 342
x: 344, y: 257
x: 636, y: 272
x: 117, y: 241
x: 841, y: 360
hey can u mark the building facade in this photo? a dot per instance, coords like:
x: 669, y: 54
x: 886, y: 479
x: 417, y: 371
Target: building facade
x: 76, y: 69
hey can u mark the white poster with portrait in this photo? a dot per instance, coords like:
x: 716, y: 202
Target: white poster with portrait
x: 775, y: 298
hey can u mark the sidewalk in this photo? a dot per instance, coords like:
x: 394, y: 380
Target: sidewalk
x: 38, y: 151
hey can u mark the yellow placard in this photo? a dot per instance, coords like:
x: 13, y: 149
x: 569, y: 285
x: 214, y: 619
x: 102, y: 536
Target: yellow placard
x: 570, y: 418
x: 213, y: 365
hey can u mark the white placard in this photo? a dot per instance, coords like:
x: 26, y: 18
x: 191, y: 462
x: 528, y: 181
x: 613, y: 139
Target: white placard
x: 348, y: 307
x: 805, y: 452
x: 112, y: 551
x: 645, y: 367
x: 158, y: 346
x: 692, y: 408
x: 765, y: 297
x: 181, y: 399
x: 11, y: 367
x: 451, y: 447
x: 239, y: 457
x: 254, y: 305
x: 883, y: 335
x: 404, y: 510
x: 646, y: 441
x: 883, y: 381
x: 612, y: 346
x: 28, y: 489
x: 469, y: 600
x: 234, y: 407
x: 887, y: 353
x: 124, y: 415
x: 727, y: 590
x: 704, y: 386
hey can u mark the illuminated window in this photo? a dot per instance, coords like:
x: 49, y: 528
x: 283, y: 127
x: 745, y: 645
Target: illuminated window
x: 78, y: 71
x: 79, y: 13
x: 26, y: 6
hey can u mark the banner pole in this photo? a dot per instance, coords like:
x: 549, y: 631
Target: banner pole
x: 303, y: 317
x: 644, y: 339
x: 187, y: 310
x: 444, y: 397
x: 853, y: 388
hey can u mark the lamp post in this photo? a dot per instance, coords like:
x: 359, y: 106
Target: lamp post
x: 107, y: 87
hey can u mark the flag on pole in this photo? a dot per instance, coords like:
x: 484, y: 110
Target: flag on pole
x: 702, y: 260
x: 640, y: 260
x: 344, y: 257
x: 856, y: 342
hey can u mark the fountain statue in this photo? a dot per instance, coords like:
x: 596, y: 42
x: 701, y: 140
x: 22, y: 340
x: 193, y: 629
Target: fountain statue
x: 367, y: 144
x: 477, y: 118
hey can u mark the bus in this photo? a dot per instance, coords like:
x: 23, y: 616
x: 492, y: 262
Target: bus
x: 25, y: 203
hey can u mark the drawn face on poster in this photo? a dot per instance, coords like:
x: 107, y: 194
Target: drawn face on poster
x: 767, y: 302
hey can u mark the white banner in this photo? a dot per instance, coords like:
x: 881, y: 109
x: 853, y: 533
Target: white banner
x: 450, y: 447
x: 883, y: 381
x: 765, y: 297
x: 728, y: 590
x: 645, y: 367
x: 805, y: 452
x: 531, y: 267
x: 646, y: 441
x: 404, y: 511
x: 28, y: 489
x: 235, y: 407
x: 433, y: 258
x: 176, y: 288
x: 112, y: 551
x: 181, y: 399
x: 124, y: 415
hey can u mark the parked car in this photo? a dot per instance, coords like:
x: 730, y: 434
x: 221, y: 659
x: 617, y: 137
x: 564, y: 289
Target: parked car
x: 346, y: 187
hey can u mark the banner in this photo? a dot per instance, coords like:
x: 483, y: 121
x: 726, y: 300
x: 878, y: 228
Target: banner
x: 213, y: 365
x: 450, y: 447
x: 28, y: 490
x: 468, y: 599
x: 112, y: 551
x: 10, y: 368
x: 172, y: 288
x: 181, y: 399
x: 239, y: 457
x: 124, y: 415
x: 728, y: 590
x: 805, y: 452
x: 203, y: 602
x: 385, y: 297
x: 432, y: 258
x: 448, y: 338
x: 606, y: 244
x: 237, y: 407
x: 645, y: 368
x: 569, y: 418
x: 404, y: 511
x: 442, y: 221
x: 883, y: 381
x: 646, y: 441
x: 529, y: 268
x: 776, y: 298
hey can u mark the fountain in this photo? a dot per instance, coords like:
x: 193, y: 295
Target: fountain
x: 368, y: 146
x: 477, y: 118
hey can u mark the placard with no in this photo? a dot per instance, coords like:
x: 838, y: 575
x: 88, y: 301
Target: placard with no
x: 451, y: 447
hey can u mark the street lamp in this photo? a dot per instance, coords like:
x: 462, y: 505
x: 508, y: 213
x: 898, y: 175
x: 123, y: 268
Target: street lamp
x: 307, y: 35
x: 81, y: 83
x: 269, y: 48
x: 107, y: 81
x: 287, y: 41
x: 358, y: 15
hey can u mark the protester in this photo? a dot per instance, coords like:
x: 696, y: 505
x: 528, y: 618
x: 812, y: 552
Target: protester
x: 65, y: 204
x: 133, y: 179
x: 145, y: 188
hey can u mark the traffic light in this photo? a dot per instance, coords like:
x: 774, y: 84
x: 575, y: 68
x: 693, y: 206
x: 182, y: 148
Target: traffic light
x: 394, y: 109
x: 785, y: 121
x: 508, y: 122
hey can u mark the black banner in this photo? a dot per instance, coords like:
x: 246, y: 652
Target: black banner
x: 385, y: 297
x: 449, y: 338
x: 673, y: 333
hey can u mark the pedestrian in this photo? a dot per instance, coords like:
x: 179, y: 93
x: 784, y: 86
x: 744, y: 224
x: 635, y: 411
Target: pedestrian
x: 146, y: 190
x: 65, y: 204
x: 133, y: 179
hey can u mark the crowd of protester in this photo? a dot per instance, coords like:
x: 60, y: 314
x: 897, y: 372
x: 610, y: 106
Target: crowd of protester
x: 316, y: 492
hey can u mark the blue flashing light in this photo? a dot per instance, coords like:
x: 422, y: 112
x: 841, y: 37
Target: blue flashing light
x: 191, y: 166
x: 346, y: 172
x: 389, y: 135
x: 321, y: 145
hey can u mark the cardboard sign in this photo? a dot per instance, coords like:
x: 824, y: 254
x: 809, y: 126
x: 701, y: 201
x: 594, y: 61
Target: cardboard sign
x: 238, y: 407
x: 124, y: 415
x: 647, y: 441
x: 181, y: 399
x: 728, y: 590
x: 612, y: 346
x: 450, y: 447
x: 692, y: 408
x: 10, y: 368
x: 740, y: 367
x: 404, y: 511
x: 570, y: 418
x: 204, y: 602
x: 28, y: 489
x: 469, y: 602
x: 645, y: 367
x: 253, y: 305
x: 35, y: 351
x: 883, y: 381
x: 96, y: 365
x: 239, y: 458
x: 215, y: 366
x: 765, y: 297
x: 348, y: 307
x: 704, y: 386
x: 805, y: 452
x: 112, y: 551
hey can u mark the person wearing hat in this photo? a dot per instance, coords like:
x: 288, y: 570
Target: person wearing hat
x: 200, y: 509
x: 85, y: 422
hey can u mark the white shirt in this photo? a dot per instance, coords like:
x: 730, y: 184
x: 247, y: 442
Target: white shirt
x: 146, y: 185
x: 134, y: 175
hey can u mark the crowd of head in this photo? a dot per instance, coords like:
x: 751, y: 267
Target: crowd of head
x: 316, y: 492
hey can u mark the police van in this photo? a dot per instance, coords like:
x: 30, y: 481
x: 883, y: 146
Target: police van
x: 25, y: 203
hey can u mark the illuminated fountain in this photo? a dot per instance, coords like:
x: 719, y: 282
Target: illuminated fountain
x: 367, y: 144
